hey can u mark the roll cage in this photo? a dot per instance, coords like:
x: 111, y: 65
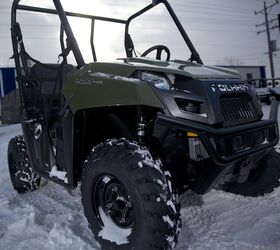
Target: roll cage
x: 71, y: 41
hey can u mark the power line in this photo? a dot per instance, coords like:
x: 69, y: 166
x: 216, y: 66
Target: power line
x: 151, y: 42
x: 209, y: 7
x: 216, y: 6
x: 139, y: 27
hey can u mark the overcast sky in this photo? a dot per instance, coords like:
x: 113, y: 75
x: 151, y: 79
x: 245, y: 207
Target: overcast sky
x: 223, y: 31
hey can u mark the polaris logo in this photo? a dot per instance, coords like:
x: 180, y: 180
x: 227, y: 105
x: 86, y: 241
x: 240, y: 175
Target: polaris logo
x: 229, y: 87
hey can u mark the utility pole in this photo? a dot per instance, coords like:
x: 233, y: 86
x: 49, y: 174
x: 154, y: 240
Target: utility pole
x: 267, y: 30
x: 269, y: 45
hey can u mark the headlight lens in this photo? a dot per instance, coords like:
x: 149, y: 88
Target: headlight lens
x: 157, y: 80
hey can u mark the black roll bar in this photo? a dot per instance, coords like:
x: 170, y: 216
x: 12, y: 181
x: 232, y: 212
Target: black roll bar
x: 69, y: 13
x: 66, y: 26
x: 194, y: 56
x: 91, y: 40
x: 71, y: 38
x: 62, y: 44
x: 16, y: 40
x: 186, y: 38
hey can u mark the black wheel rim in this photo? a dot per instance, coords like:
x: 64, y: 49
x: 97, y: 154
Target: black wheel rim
x: 110, y: 195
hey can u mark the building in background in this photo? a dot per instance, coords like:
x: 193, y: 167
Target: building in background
x: 7, y: 81
x: 7, y: 86
x: 251, y: 73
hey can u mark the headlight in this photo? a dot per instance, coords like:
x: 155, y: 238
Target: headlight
x: 157, y: 80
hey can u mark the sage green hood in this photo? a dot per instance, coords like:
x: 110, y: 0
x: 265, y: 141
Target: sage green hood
x: 125, y: 67
x: 112, y: 84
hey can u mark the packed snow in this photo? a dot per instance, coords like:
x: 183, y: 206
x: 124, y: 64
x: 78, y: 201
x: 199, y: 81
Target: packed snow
x: 61, y: 175
x: 52, y: 217
x: 111, y: 231
x: 114, y: 77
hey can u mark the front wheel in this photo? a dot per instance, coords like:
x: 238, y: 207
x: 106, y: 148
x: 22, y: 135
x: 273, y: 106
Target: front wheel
x: 128, y: 200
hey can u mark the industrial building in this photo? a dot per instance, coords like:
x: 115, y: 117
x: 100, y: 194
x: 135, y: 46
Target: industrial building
x: 256, y: 74
x: 7, y: 81
x: 7, y: 86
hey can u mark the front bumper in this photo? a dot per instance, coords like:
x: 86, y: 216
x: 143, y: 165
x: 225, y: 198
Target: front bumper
x: 258, y: 136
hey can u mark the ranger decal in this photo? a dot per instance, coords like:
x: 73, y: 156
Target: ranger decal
x: 88, y: 81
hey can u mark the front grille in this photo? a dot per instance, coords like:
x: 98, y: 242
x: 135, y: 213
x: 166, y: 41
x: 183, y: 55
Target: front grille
x: 238, y: 109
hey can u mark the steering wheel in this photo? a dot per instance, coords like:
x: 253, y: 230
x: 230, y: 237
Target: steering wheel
x: 159, y: 49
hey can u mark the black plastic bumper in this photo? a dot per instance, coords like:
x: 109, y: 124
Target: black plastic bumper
x: 208, y: 134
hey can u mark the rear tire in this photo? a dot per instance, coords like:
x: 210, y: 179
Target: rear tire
x: 21, y: 174
x: 264, y: 179
x: 126, y: 195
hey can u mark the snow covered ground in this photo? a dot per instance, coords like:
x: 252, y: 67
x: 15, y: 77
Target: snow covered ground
x: 52, y: 217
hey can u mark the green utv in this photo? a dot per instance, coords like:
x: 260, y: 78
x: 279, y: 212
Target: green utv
x: 138, y: 132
